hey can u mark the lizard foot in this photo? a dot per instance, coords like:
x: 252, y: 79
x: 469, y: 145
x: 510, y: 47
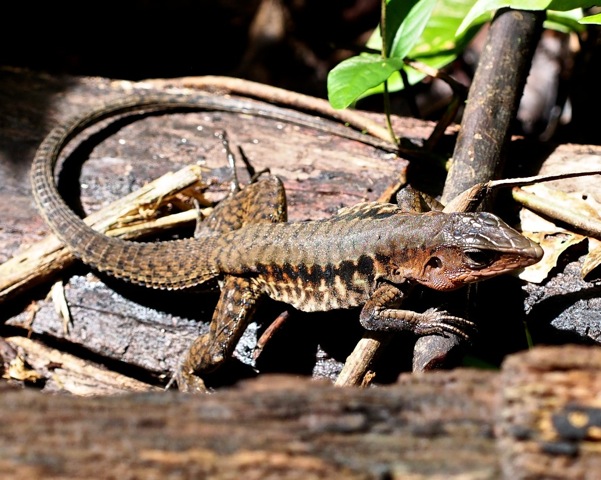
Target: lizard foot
x: 440, y: 322
x: 187, y: 382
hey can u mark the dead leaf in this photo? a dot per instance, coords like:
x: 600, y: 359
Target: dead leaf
x: 593, y: 259
x: 554, y: 239
x: 553, y: 244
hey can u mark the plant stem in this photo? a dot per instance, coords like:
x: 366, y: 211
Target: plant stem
x: 386, y: 95
x: 387, y: 112
x: 485, y: 130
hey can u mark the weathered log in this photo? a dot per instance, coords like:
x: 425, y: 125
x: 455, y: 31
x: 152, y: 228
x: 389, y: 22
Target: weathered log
x: 273, y: 427
x: 537, y: 418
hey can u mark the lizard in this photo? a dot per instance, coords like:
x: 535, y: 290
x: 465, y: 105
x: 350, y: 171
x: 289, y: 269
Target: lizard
x: 367, y: 255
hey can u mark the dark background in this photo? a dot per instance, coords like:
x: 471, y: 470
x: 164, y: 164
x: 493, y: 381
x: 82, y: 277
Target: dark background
x: 287, y: 43
x: 292, y: 44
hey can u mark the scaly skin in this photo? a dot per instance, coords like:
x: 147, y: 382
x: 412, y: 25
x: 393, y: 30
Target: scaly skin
x: 365, y: 255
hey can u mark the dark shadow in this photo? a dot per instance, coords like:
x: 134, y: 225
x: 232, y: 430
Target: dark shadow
x: 131, y: 39
x: 68, y: 182
x: 296, y: 346
x: 24, y: 99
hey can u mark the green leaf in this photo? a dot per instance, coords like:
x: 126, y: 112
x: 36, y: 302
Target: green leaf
x: 592, y: 19
x: 529, y: 4
x: 354, y: 77
x: 480, y: 9
x: 408, y: 32
x: 565, y: 5
x: 440, y: 35
x: 351, y: 78
x: 564, y: 21
x: 396, y: 12
x: 433, y: 32
x: 439, y: 44
x: 483, y: 6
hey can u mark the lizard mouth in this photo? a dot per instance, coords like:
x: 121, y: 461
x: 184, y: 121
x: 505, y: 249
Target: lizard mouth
x: 504, y: 264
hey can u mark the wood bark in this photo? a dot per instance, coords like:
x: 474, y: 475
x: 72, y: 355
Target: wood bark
x: 537, y: 418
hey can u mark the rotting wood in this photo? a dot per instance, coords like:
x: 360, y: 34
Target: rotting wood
x: 549, y: 424
x: 275, y: 427
x: 517, y: 423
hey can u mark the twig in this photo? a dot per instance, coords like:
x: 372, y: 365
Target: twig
x: 357, y: 365
x: 459, y: 95
x: 457, y: 87
x: 468, y: 200
x: 149, y: 227
x: 279, y: 96
x: 270, y: 331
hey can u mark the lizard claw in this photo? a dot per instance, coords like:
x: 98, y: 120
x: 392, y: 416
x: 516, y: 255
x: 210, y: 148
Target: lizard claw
x: 440, y: 322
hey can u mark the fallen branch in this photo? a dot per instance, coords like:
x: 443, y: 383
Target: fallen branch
x: 247, y: 88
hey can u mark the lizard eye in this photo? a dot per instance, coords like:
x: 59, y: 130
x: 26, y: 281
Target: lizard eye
x: 477, y: 259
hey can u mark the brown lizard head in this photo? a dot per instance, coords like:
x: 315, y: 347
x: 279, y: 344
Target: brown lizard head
x: 466, y: 248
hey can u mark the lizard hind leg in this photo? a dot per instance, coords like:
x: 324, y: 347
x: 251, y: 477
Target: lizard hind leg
x: 261, y: 202
x: 234, y: 310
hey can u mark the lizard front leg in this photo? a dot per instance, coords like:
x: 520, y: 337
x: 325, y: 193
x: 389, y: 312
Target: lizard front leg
x: 381, y: 313
x: 233, y: 312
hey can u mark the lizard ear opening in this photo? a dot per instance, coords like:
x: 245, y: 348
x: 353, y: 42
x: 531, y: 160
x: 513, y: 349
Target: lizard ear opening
x: 435, y: 274
x: 434, y: 263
